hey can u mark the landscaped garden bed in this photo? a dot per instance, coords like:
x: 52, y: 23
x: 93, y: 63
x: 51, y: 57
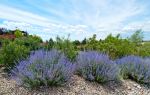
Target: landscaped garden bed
x: 76, y: 86
x: 31, y: 67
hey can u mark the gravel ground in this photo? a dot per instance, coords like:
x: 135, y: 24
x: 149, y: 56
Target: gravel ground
x: 76, y: 86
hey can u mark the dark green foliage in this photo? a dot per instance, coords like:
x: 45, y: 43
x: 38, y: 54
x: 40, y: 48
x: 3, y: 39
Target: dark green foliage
x: 11, y: 53
x: 76, y: 42
x: 84, y: 41
x: 4, y: 31
x: 50, y: 44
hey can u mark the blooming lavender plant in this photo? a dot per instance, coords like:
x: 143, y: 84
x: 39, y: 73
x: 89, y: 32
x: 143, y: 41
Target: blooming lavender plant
x: 43, y: 68
x: 135, y: 67
x: 96, y: 66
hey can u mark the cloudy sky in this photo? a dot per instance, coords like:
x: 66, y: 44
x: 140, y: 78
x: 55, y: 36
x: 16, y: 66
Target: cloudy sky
x: 79, y: 18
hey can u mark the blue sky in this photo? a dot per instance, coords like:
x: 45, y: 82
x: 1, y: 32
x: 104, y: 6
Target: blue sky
x: 79, y: 18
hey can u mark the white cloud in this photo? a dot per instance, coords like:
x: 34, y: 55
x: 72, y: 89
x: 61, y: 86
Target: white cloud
x: 80, y: 19
x: 105, y: 17
x: 144, y: 25
x: 21, y: 16
x: 49, y: 32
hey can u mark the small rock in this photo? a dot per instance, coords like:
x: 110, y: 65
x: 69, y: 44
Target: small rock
x: 139, y: 87
x: 135, y: 85
x: 129, y: 88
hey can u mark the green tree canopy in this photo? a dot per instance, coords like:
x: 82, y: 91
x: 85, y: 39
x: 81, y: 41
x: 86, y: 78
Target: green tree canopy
x: 137, y: 37
x: 18, y: 33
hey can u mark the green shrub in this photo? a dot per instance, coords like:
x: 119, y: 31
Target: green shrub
x: 32, y: 42
x: 144, y: 49
x: 11, y: 53
x: 66, y: 46
x: 18, y: 33
x: 49, y: 44
x: 137, y: 37
x: 5, y: 41
x: 114, y: 46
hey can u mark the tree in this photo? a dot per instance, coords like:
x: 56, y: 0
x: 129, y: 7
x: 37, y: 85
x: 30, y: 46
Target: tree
x: 37, y: 38
x: 18, y: 33
x: 32, y: 42
x: 84, y: 41
x: 137, y: 37
x: 92, y: 43
x: 116, y: 47
x: 76, y: 42
x: 11, y: 53
x: 50, y: 44
x: 66, y: 46
x: 1, y: 31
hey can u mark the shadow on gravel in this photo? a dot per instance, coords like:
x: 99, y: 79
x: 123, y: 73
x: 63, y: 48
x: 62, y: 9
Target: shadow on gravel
x: 3, y: 72
x: 112, y: 86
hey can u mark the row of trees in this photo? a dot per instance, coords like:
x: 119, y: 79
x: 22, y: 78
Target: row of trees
x: 115, y: 46
x: 16, y: 32
x: 13, y: 50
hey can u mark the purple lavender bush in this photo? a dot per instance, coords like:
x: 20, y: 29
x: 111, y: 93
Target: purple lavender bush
x: 95, y: 66
x: 135, y: 68
x: 43, y: 68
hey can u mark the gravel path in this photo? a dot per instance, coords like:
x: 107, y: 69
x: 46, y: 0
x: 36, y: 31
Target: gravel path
x: 76, y: 86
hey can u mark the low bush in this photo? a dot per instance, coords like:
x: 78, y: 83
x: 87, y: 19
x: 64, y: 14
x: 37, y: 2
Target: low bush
x: 43, y: 68
x: 11, y: 53
x: 67, y: 47
x: 135, y: 68
x: 31, y: 42
x: 144, y: 49
x: 98, y: 67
